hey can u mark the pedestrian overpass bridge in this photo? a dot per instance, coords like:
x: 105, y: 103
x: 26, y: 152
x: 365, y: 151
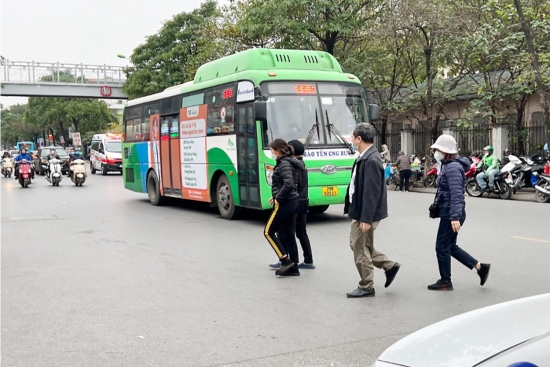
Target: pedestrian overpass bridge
x: 45, y: 79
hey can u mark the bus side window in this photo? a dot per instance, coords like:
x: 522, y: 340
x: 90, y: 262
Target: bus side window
x: 132, y: 115
x: 148, y: 110
x: 221, y: 106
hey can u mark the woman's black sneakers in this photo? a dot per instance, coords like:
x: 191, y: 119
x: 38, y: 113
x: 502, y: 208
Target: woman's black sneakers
x: 483, y: 273
x: 288, y: 270
x: 441, y: 285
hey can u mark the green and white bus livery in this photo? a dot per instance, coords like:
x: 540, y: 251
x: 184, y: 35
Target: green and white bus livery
x: 207, y: 140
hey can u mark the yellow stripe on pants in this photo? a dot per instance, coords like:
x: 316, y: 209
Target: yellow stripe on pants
x: 266, y: 231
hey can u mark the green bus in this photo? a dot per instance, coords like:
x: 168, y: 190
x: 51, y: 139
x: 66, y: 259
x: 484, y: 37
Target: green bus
x: 207, y: 139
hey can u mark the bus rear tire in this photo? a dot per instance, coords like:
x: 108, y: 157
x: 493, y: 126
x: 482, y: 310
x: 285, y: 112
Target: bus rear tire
x: 153, y: 191
x: 225, y: 201
x: 320, y: 209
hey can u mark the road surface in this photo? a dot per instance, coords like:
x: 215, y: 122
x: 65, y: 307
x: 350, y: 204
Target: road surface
x: 96, y: 276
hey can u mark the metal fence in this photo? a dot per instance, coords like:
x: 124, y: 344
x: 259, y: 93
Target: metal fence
x: 422, y: 139
x: 47, y: 72
x: 529, y: 140
x: 473, y: 140
x: 393, y: 141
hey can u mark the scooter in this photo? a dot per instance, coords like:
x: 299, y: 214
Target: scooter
x: 7, y: 167
x: 54, y: 175
x: 501, y: 187
x: 473, y: 167
x: 542, y: 193
x: 430, y: 179
x: 78, y: 169
x: 24, y: 173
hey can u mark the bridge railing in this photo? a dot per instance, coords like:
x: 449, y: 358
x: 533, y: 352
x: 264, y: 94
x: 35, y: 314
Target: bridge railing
x: 61, y: 73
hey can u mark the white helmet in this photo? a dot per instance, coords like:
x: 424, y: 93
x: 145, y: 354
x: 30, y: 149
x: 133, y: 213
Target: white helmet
x: 446, y: 144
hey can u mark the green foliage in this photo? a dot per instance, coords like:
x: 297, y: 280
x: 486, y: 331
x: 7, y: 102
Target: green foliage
x: 173, y: 55
x: 322, y: 24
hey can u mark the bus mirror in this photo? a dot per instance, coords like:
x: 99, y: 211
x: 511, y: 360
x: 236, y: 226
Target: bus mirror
x: 260, y: 112
x: 374, y: 114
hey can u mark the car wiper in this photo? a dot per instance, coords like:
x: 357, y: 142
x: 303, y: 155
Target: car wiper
x: 334, y: 130
x: 314, y: 127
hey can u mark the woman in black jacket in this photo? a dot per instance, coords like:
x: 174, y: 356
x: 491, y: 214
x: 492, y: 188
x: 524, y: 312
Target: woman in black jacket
x: 284, y: 198
x: 450, y: 197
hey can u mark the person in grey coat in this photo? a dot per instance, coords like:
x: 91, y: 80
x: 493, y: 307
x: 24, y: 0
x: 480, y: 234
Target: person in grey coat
x: 404, y: 165
x: 366, y: 204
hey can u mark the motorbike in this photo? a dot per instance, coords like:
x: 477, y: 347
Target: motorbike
x: 430, y: 179
x: 7, y: 167
x: 542, y: 188
x: 518, y: 170
x: 24, y: 173
x: 473, y: 167
x: 54, y: 175
x: 501, y: 187
x: 78, y: 169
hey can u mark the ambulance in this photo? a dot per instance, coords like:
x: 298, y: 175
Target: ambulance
x: 106, y: 153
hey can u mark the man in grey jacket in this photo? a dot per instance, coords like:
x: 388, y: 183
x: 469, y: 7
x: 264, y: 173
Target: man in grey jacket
x: 366, y: 205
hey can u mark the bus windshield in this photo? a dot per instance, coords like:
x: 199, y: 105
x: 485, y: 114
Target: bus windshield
x: 292, y: 109
x: 113, y: 146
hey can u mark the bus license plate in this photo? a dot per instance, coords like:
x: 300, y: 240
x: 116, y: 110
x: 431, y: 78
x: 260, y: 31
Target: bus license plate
x: 330, y: 191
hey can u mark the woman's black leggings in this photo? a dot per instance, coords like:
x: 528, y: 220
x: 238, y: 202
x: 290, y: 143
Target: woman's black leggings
x: 282, y: 219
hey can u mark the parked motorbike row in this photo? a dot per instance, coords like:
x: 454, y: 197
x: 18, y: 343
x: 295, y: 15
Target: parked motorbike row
x: 515, y: 174
x: 53, y: 167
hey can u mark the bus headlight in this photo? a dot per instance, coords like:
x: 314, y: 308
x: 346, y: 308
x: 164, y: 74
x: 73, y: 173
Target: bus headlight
x: 269, y: 173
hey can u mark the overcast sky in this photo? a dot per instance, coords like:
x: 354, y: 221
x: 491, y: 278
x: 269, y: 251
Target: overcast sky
x: 78, y: 31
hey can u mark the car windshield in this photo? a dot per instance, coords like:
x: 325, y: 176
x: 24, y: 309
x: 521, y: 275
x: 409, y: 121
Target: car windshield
x: 113, y: 147
x: 292, y: 109
x: 60, y: 152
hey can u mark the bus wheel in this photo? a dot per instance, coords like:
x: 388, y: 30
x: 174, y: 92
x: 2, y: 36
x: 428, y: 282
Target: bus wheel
x: 224, y: 198
x: 318, y: 209
x: 153, y: 190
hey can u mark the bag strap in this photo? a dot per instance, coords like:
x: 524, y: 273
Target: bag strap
x: 437, y: 192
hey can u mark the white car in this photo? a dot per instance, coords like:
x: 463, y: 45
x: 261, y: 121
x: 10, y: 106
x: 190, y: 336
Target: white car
x: 509, y: 334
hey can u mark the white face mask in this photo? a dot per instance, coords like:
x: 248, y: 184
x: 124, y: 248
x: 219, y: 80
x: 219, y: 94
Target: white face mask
x: 438, y: 156
x: 274, y: 156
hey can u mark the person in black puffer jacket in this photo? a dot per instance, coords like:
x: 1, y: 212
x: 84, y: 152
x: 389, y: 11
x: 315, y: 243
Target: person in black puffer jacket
x: 450, y: 197
x: 301, y: 218
x: 285, y: 200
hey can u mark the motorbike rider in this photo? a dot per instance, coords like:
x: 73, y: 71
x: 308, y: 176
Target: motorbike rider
x: 489, y: 165
x: 6, y: 155
x: 53, y: 155
x: 73, y: 157
x: 22, y: 155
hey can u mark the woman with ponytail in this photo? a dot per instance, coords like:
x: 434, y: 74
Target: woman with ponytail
x: 285, y: 200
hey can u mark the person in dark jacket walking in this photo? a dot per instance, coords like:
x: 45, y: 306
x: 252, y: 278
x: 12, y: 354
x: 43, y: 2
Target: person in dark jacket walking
x: 450, y: 197
x: 301, y: 218
x: 366, y: 204
x: 285, y: 201
x: 404, y: 165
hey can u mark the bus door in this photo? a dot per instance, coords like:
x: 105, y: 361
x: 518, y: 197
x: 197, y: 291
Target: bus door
x: 247, y: 156
x: 170, y: 161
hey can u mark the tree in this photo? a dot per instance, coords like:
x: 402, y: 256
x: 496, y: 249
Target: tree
x: 173, y: 55
x: 51, y: 115
x: 387, y: 60
x: 321, y: 25
x: 533, y: 52
x: 14, y: 128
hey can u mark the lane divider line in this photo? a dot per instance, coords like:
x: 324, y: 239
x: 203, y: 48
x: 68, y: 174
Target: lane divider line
x: 530, y: 239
